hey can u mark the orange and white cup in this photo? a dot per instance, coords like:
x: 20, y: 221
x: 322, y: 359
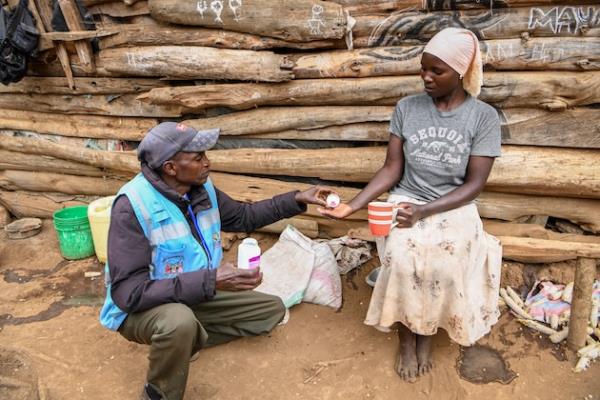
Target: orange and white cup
x: 382, y: 217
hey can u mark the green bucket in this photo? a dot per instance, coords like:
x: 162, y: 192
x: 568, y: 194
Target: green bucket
x: 73, y: 231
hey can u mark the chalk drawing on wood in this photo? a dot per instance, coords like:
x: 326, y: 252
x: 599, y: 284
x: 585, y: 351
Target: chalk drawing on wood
x: 316, y: 22
x: 201, y: 6
x: 217, y: 7
x: 567, y: 19
x: 234, y: 6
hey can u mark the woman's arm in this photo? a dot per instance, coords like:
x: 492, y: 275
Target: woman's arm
x: 386, y: 177
x: 478, y: 170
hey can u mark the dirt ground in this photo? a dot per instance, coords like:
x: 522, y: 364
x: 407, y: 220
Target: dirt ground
x: 52, y: 347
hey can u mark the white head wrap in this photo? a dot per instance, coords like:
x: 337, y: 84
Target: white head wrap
x: 459, y: 48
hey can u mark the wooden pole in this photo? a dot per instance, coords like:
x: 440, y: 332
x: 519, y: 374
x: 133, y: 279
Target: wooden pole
x: 131, y: 35
x: 502, y: 23
x: 581, y: 304
x: 68, y: 184
x: 362, y: 7
x: 43, y: 13
x: 533, y: 250
x: 194, y: 62
x: 277, y: 119
x: 124, y: 105
x: 95, y: 85
x: 73, y: 19
x: 120, y: 9
x: 40, y: 205
x: 544, y: 90
x: 5, y: 217
x: 309, y: 227
x: 118, y: 161
x: 82, y: 126
x: 521, y: 169
x: 293, y: 20
x: 574, y: 54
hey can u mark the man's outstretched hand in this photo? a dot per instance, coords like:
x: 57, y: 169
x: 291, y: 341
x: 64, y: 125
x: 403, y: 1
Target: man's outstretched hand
x: 233, y: 279
x: 314, y: 195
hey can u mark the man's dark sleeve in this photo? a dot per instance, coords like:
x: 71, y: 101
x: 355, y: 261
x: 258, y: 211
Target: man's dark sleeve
x: 129, y: 257
x: 245, y: 217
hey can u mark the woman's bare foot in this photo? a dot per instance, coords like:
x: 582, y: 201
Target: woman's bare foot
x: 407, y: 365
x: 424, y: 354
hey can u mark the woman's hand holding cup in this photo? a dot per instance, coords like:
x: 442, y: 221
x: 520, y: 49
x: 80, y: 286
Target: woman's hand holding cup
x: 407, y: 214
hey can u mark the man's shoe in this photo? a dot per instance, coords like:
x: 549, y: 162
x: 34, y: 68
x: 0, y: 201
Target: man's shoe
x: 151, y: 392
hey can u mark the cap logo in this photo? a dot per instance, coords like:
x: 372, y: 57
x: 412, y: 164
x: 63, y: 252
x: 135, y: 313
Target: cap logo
x: 181, y: 127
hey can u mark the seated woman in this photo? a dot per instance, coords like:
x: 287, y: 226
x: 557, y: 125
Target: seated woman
x: 439, y: 268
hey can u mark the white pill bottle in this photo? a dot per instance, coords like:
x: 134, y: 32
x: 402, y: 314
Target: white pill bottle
x: 248, y: 254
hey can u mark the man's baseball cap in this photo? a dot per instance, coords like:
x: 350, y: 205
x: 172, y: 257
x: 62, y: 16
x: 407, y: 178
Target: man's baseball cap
x: 166, y: 139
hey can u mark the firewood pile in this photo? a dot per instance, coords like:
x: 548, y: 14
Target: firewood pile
x: 303, y: 90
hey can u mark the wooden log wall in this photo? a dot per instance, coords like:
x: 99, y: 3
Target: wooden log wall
x: 319, y: 79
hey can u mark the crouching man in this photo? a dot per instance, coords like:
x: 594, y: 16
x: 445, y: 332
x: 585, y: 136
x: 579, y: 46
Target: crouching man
x: 167, y: 286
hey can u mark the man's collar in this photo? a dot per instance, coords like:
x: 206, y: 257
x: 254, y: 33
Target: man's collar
x: 197, y: 196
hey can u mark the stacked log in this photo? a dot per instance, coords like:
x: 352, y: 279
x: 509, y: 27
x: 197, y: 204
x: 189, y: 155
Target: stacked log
x: 320, y: 79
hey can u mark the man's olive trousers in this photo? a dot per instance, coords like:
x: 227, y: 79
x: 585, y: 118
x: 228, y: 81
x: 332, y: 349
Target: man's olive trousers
x: 175, y: 332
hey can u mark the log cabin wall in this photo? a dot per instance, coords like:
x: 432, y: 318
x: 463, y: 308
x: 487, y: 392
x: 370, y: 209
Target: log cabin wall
x: 303, y: 91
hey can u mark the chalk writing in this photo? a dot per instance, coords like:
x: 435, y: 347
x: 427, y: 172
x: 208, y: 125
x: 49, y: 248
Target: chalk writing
x: 234, y: 5
x: 410, y: 26
x: 405, y: 25
x: 572, y: 20
x: 131, y: 59
x: 545, y: 54
x: 535, y: 53
x: 201, y: 6
x: 217, y: 7
x: 315, y: 22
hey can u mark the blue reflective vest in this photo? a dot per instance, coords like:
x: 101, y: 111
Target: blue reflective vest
x: 174, y: 248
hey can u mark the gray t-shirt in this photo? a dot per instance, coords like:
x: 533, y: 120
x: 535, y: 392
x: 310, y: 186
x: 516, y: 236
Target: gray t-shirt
x: 437, y: 144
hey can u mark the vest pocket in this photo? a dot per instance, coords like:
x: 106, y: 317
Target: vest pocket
x: 170, y: 261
